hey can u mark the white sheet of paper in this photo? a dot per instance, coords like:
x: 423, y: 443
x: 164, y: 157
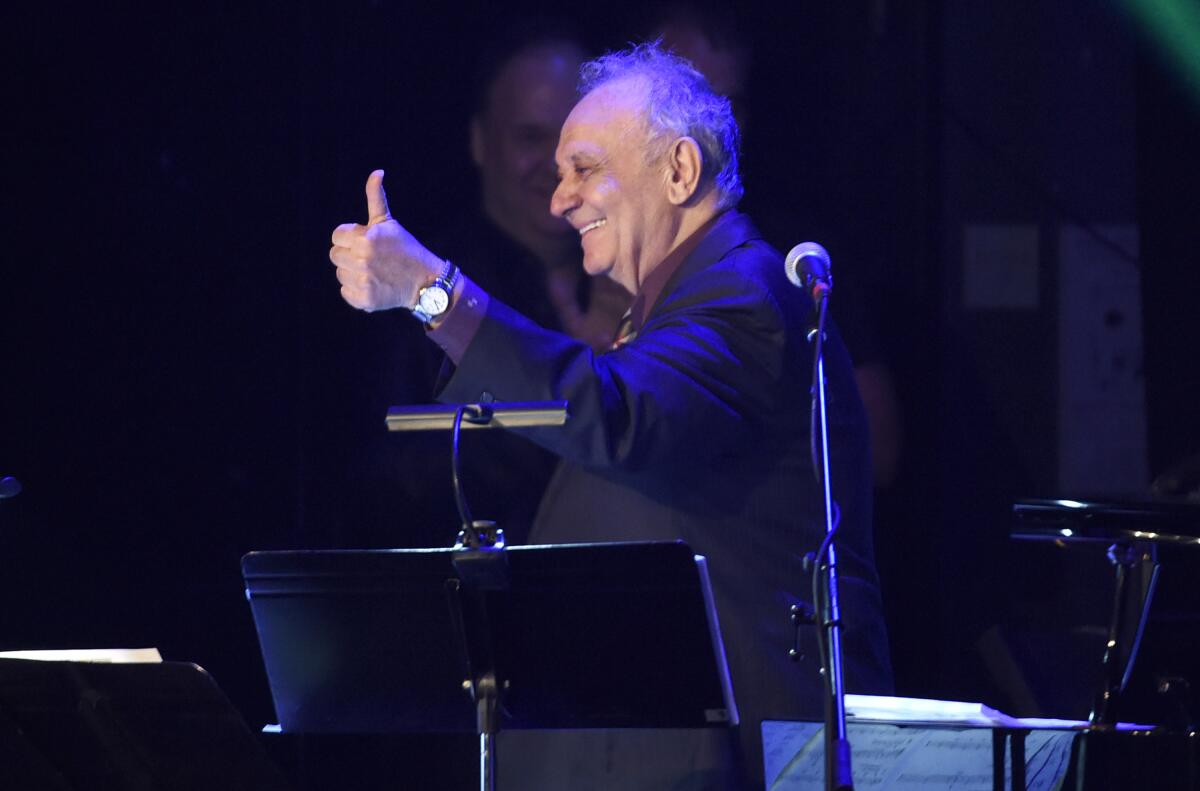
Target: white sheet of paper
x: 110, y: 655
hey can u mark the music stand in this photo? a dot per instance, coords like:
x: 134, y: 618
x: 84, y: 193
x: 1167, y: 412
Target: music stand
x: 384, y: 641
x: 99, y: 726
x: 1131, y: 532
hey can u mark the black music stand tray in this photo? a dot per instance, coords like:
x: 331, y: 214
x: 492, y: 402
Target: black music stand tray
x: 1131, y: 531
x: 574, y: 636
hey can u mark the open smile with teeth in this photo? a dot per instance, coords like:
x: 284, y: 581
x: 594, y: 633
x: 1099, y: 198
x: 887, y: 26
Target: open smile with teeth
x: 591, y: 226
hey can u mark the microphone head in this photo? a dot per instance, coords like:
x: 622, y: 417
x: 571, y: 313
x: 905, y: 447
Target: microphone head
x: 806, y: 263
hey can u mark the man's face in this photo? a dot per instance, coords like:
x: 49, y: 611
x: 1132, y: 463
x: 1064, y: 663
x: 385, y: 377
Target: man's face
x: 513, y: 140
x: 609, y: 192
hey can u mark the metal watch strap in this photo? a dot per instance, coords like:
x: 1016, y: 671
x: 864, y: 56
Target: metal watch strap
x: 446, y: 282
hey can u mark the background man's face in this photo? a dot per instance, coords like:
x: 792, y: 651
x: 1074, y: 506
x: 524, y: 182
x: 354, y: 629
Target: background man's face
x: 513, y: 140
x: 609, y: 192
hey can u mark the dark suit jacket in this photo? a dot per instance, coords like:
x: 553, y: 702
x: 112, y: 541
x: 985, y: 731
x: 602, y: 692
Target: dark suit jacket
x: 699, y: 430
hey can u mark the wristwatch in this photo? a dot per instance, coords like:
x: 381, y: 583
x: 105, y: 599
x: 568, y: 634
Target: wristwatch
x: 434, y: 299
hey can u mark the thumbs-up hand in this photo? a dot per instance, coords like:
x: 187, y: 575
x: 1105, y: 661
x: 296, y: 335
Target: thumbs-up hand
x: 380, y: 265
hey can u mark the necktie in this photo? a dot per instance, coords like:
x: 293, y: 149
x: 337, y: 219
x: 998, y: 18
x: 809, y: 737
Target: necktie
x: 625, y: 330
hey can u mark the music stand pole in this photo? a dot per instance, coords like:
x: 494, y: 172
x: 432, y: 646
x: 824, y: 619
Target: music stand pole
x: 479, y: 554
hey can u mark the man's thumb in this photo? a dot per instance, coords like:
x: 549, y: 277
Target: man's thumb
x: 377, y: 205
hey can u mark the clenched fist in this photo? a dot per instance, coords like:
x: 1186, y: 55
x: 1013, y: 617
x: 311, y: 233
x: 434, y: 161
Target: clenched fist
x: 380, y: 265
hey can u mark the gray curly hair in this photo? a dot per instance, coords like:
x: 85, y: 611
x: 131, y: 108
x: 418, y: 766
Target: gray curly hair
x: 679, y: 102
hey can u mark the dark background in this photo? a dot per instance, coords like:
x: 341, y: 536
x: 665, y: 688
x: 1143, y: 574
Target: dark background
x: 180, y: 382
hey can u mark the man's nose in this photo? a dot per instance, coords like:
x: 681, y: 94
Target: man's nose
x: 563, y: 200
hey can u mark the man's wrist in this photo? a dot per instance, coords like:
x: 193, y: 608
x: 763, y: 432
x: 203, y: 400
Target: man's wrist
x: 454, y: 330
x: 435, y: 299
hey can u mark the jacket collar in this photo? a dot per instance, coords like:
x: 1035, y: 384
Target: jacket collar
x: 725, y: 232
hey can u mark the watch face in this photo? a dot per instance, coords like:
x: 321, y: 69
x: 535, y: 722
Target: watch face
x: 433, y: 300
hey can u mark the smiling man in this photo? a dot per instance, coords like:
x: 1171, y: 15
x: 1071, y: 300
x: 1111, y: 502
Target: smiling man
x: 695, y: 426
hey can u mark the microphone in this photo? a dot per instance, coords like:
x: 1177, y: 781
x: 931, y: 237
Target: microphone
x: 9, y: 487
x: 807, y: 266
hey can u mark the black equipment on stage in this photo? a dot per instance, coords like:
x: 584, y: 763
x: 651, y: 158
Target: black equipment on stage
x: 1132, y: 533
x: 380, y: 641
x: 368, y: 641
x: 114, y: 727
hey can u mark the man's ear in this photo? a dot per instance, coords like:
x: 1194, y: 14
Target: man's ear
x: 476, y: 141
x: 684, y: 163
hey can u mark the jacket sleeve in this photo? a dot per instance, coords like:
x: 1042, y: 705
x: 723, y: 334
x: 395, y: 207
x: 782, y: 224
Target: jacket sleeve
x: 701, y: 376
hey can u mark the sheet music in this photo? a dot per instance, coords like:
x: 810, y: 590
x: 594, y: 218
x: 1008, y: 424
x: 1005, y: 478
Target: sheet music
x: 907, y: 757
x: 923, y: 711
x: 882, y: 708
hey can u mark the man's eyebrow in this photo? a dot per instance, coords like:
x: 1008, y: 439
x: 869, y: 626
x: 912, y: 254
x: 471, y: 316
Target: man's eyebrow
x: 578, y: 158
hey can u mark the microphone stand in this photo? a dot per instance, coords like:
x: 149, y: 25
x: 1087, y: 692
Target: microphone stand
x: 838, y: 775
